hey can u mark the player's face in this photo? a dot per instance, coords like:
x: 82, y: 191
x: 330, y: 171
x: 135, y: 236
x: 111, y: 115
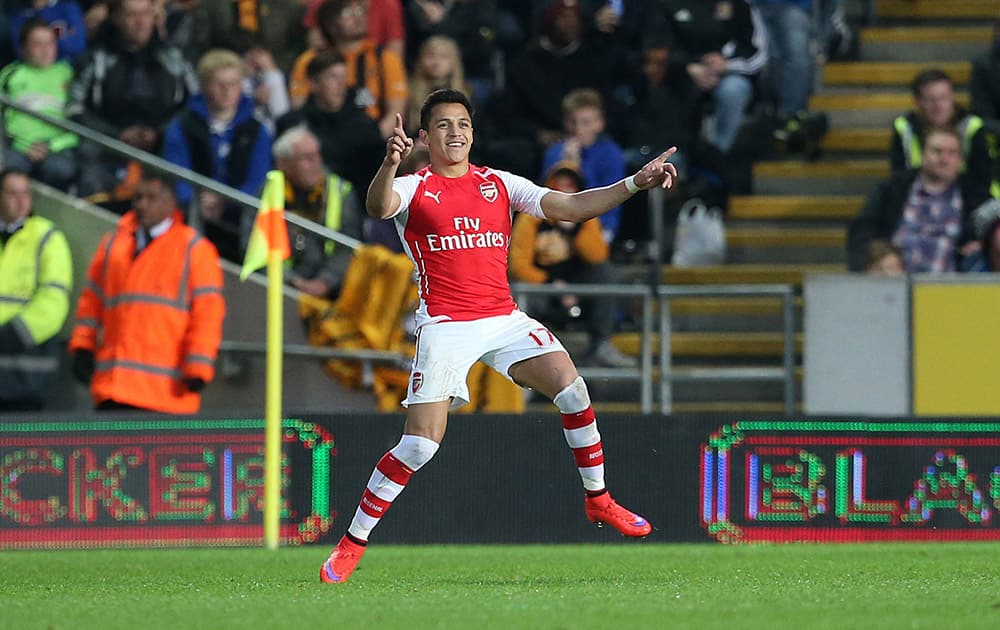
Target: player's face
x: 449, y: 134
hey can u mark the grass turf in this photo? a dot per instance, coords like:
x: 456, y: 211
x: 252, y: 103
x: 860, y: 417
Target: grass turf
x: 571, y: 586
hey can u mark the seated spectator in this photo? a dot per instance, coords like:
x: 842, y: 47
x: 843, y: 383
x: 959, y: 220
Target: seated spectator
x: 385, y: 25
x: 265, y: 84
x: 935, y: 106
x: 884, y: 259
x: 377, y: 75
x: 721, y: 48
x: 352, y: 143
x: 275, y: 25
x: 318, y: 265
x: 789, y: 26
x: 40, y: 82
x: 218, y: 136
x: 438, y: 65
x: 986, y: 226
x: 128, y: 86
x: 598, y: 157
x: 926, y: 213
x: 472, y: 25
x: 64, y: 16
x: 560, y: 253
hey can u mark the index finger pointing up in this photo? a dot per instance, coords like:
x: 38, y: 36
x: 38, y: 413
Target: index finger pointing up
x: 666, y: 154
x: 399, y: 123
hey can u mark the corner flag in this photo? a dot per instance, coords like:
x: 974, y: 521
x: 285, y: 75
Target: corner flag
x: 269, y: 235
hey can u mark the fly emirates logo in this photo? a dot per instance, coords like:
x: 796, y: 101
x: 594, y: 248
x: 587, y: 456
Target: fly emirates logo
x: 467, y: 236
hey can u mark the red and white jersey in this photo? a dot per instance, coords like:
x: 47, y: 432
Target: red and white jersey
x: 457, y: 233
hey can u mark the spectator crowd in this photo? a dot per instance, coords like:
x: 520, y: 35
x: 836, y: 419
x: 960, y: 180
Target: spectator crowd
x: 573, y: 93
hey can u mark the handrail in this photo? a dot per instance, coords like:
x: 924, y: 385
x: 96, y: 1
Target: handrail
x: 786, y: 373
x: 645, y: 372
x: 158, y: 163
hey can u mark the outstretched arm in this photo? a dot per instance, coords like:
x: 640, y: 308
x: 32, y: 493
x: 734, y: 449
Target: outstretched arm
x: 382, y: 201
x: 593, y: 202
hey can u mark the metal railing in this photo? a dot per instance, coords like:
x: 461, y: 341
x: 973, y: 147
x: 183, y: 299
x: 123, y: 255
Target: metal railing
x: 156, y: 162
x: 669, y: 375
x: 644, y: 374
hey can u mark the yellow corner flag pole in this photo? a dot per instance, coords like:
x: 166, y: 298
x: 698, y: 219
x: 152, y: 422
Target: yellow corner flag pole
x: 269, y: 245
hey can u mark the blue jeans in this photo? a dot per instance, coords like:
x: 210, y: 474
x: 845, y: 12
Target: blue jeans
x: 731, y: 95
x: 788, y: 32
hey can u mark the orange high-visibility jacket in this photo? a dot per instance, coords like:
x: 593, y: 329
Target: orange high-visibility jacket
x: 151, y: 320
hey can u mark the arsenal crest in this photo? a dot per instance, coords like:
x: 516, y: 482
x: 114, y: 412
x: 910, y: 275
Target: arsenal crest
x: 418, y: 380
x: 489, y: 191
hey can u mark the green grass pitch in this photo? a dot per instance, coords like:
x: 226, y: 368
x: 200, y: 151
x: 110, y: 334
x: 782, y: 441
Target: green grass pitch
x: 605, y: 586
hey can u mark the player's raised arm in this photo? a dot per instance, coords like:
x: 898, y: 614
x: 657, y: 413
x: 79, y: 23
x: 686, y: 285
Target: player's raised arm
x: 382, y: 201
x: 594, y: 202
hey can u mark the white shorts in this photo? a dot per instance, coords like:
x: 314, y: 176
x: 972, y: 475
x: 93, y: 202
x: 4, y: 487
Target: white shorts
x: 446, y: 351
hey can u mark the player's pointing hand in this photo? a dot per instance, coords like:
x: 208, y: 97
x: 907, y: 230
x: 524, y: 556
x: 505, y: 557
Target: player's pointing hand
x: 657, y: 172
x: 399, y: 145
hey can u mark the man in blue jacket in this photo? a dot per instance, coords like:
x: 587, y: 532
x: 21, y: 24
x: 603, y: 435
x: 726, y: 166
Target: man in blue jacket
x: 218, y: 136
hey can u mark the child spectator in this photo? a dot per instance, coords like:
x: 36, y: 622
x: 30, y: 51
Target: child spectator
x: 39, y: 81
x: 600, y: 159
x: 884, y: 259
x: 562, y: 252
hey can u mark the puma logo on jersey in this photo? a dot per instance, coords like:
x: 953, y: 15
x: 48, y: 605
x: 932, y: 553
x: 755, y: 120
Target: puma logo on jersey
x: 435, y: 196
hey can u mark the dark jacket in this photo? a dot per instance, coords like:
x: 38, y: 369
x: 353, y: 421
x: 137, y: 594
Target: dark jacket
x: 105, y: 95
x: 692, y: 28
x: 884, y: 209
x: 350, y: 141
x: 984, y: 88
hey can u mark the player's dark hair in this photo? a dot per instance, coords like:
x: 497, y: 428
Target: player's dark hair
x: 926, y: 77
x: 438, y: 97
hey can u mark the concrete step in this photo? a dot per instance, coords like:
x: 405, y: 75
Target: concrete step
x: 778, y: 236
x: 712, y: 344
x: 794, y: 208
x: 924, y: 43
x: 858, y: 140
x: 868, y: 108
x: 745, y: 274
x: 826, y: 177
x: 778, y: 244
x: 889, y: 73
x: 938, y: 9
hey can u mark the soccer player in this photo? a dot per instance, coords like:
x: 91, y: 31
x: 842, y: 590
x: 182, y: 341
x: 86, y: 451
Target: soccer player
x: 454, y: 220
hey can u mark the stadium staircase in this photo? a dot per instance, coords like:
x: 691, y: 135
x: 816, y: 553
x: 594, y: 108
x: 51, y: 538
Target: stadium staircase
x: 795, y: 222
